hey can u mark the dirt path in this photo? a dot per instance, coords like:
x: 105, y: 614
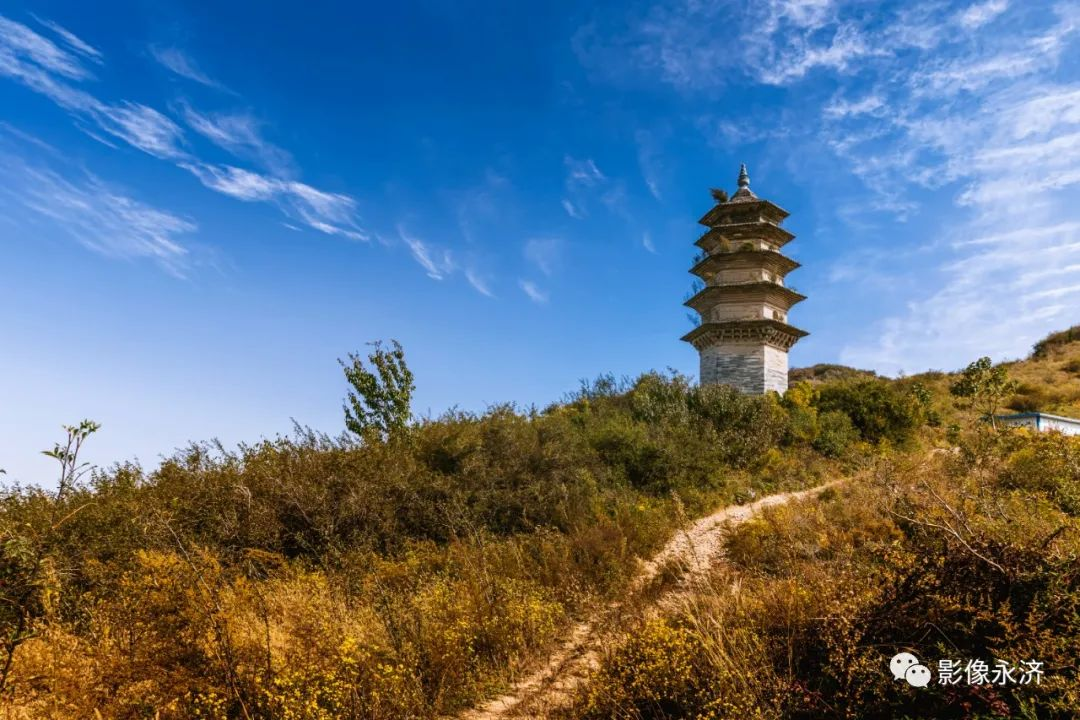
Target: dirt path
x: 693, y: 550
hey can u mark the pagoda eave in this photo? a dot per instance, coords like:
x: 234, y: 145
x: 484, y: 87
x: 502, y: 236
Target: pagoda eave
x: 772, y: 332
x: 750, y: 291
x: 714, y: 216
x: 773, y: 260
x: 743, y: 232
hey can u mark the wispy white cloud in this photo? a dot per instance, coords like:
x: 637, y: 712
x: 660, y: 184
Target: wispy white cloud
x: 582, y: 173
x: 20, y: 46
x: 180, y: 63
x: 572, y: 210
x: 692, y: 45
x: 647, y: 242
x: 479, y: 282
x: 544, y: 253
x: 45, y: 68
x: 979, y: 14
x: 241, y: 135
x: 330, y: 213
x: 847, y: 45
x: 72, y: 40
x: 840, y: 107
x: 235, y: 182
x: 583, y: 180
x: 649, y: 160
x: 534, y: 293
x: 437, y: 264
x: 103, y: 218
x: 141, y: 127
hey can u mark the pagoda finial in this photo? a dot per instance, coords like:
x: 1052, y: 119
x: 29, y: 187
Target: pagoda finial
x: 744, y: 193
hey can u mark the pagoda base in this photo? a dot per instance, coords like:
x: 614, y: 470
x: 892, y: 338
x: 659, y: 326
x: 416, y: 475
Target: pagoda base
x: 751, y: 367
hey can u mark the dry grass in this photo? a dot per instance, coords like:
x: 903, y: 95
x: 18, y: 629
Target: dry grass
x: 1049, y: 383
x: 969, y: 554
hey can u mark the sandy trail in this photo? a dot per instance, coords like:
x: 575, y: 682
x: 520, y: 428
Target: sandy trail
x: 693, y: 550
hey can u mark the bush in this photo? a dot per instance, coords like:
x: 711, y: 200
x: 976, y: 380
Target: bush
x: 877, y: 409
x: 746, y: 426
x: 835, y: 435
x: 1050, y: 464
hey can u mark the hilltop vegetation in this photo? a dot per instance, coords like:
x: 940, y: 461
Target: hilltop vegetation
x: 411, y: 569
x: 390, y: 577
x: 1050, y: 380
x: 968, y: 553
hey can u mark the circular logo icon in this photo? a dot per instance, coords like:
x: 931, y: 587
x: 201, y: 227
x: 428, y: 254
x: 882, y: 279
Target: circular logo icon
x: 900, y: 664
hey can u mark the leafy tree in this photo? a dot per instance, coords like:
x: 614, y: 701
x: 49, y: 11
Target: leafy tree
x: 380, y: 397
x: 984, y: 386
x: 924, y: 401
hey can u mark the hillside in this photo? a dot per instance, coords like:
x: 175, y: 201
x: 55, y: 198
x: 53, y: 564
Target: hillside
x: 414, y: 574
x: 964, y: 554
x: 826, y: 372
x: 1050, y: 378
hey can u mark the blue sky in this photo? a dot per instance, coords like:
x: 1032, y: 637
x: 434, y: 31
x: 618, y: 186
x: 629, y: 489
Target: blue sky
x: 203, y: 205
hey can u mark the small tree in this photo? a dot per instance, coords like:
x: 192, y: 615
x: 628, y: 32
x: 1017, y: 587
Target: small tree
x: 380, y: 398
x: 67, y: 455
x: 27, y: 574
x: 984, y: 386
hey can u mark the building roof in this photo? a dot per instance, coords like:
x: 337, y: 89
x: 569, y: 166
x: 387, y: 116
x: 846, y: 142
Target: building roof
x: 743, y: 200
x: 1023, y: 415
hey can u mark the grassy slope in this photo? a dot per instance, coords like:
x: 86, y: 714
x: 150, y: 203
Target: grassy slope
x: 971, y: 551
x: 321, y: 578
x: 318, y: 578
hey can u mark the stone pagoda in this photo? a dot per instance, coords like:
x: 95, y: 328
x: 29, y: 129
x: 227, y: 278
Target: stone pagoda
x: 744, y: 335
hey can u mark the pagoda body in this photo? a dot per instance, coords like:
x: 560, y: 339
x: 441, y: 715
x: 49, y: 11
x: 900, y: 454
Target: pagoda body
x: 744, y: 335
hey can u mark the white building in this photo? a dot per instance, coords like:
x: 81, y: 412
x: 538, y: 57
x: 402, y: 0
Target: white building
x: 1041, y: 422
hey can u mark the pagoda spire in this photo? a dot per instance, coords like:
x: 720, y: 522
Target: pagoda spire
x: 744, y: 190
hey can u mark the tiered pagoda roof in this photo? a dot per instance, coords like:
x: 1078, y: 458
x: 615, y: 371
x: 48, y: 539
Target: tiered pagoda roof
x: 743, y: 270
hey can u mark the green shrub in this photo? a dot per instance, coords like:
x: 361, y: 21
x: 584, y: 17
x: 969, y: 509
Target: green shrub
x: 877, y: 409
x: 1049, y: 464
x: 746, y: 426
x: 835, y: 435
